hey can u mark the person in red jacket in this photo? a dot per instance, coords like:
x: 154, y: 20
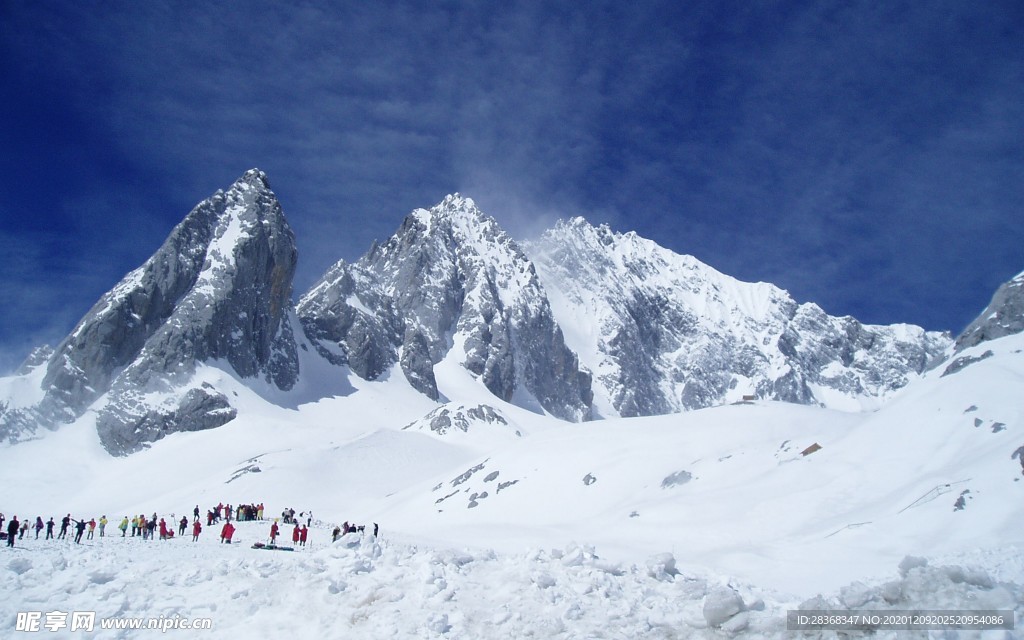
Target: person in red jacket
x: 295, y: 535
x: 196, y: 528
x: 227, y: 532
x: 273, y: 532
x: 302, y: 535
x: 163, y: 529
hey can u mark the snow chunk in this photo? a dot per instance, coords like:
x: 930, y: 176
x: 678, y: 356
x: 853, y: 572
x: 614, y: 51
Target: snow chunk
x: 720, y: 605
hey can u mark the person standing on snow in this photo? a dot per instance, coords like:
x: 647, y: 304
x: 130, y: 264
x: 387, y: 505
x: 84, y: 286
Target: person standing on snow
x: 273, y: 532
x: 182, y: 525
x: 227, y: 532
x: 302, y: 535
x: 163, y: 529
x: 123, y: 526
x: 295, y: 535
x: 65, y: 522
x: 196, y: 528
x: 103, y: 526
x: 12, y: 529
x: 49, y: 528
x: 79, y: 530
x: 92, y: 528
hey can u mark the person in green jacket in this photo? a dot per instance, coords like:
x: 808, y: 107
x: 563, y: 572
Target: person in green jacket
x: 123, y: 526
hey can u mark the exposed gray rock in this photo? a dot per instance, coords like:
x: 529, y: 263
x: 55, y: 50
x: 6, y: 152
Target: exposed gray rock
x: 453, y: 277
x: 676, y: 479
x: 1003, y: 316
x: 218, y: 289
x: 671, y: 333
x: 961, y: 363
x: 674, y: 334
x: 416, y: 363
x: 350, y: 321
x: 448, y: 418
x: 130, y: 424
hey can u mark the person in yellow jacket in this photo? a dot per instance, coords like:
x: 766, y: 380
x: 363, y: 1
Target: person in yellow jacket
x: 103, y: 526
x: 123, y: 526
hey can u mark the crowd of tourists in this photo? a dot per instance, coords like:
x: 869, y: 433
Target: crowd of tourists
x: 152, y: 526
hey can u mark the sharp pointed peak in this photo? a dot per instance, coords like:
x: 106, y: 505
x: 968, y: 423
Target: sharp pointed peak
x: 254, y: 177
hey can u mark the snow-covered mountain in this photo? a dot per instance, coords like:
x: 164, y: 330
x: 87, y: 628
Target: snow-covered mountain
x: 664, y: 332
x: 450, y: 284
x: 584, y: 323
x: 440, y: 386
x: 218, y: 289
x: 500, y: 522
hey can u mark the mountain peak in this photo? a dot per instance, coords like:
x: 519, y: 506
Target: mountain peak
x: 666, y: 332
x: 218, y: 289
x: 456, y: 202
x: 254, y: 177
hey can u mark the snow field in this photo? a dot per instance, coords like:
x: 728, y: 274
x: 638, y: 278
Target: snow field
x: 361, y: 587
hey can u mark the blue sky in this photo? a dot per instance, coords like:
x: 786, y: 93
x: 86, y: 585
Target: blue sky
x: 865, y: 156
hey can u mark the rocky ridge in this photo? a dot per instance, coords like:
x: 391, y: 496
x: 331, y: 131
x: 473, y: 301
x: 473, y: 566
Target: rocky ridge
x: 583, y: 323
x: 218, y: 289
x: 674, y: 334
x: 1004, y: 316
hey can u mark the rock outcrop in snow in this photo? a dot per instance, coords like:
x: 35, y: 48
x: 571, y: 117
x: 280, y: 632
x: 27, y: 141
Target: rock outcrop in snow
x: 218, y: 289
x: 665, y: 332
x: 1004, y: 316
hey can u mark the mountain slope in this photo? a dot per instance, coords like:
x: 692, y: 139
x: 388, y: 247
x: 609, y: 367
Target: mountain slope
x: 1004, y: 316
x: 664, y: 332
x: 797, y: 497
x: 219, y: 288
x: 457, y: 287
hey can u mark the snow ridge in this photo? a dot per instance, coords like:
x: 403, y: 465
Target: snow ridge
x: 664, y: 332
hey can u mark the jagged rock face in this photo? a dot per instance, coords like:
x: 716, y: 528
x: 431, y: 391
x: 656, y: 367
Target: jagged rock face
x: 673, y: 334
x: 650, y: 332
x: 457, y: 280
x: 417, y: 365
x: 131, y: 423
x: 218, y: 289
x: 1004, y: 316
x: 351, y: 322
